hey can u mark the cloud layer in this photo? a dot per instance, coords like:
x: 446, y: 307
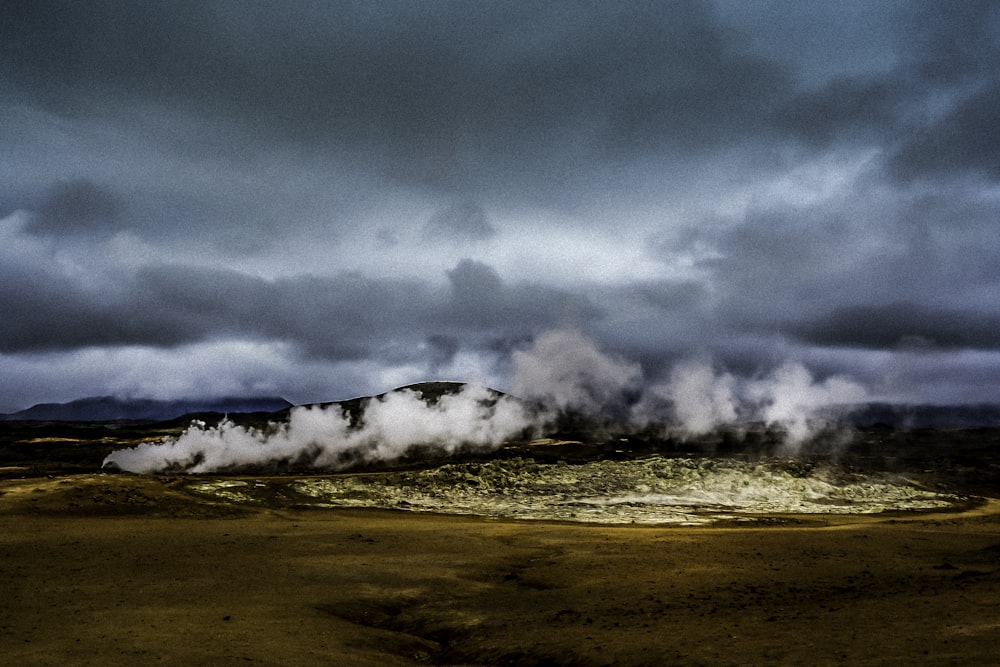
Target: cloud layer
x: 324, y: 201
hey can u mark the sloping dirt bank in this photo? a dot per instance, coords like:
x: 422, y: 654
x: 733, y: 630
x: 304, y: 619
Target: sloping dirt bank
x: 119, y: 570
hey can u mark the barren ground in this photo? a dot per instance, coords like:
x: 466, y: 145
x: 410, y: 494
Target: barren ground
x: 125, y: 570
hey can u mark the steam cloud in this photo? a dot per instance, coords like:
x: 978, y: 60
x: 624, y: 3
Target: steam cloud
x: 791, y: 399
x: 565, y: 369
x: 561, y: 370
x: 324, y: 437
x: 698, y: 398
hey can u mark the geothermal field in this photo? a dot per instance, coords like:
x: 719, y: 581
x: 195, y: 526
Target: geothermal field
x: 455, y: 525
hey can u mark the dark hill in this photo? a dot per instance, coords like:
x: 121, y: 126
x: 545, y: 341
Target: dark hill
x: 111, y: 408
x: 899, y: 415
x: 429, y: 392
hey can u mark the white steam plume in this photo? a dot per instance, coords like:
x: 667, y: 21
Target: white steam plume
x: 565, y: 370
x: 698, y: 398
x: 790, y: 398
x: 323, y: 437
x: 562, y: 370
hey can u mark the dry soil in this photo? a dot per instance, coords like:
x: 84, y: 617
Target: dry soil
x: 122, y: 570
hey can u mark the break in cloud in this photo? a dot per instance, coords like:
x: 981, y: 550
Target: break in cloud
x: 325, y: 200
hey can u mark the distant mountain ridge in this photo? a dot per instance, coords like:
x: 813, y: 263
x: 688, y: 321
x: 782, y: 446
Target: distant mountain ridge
x: 902, y: 415
x: 112, y: 408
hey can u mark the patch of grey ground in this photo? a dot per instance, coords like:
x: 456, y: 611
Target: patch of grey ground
x: 644, y: 491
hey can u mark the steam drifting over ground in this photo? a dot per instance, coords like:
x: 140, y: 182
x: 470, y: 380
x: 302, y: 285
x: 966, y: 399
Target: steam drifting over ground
x: 324, y: 437
x: 566, y: 370
x: 561, y: 371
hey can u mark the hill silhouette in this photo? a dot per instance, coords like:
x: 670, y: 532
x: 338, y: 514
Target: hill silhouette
x: 112, y: 408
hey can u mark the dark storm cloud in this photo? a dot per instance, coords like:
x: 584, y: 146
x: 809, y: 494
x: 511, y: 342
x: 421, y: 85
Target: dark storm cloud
x: 460, y: 223
x: 846, y: 109
x: 451, y: 94
x: 966, y: 140
x: 480, y: 299
x: 76, y: 207
x: 478, y: 291
x: 954, y: 55
x: 439, y: 93
x: 872, y: 275
x: 934, y: 112
x: 47, y: 311
x: 44, y: 312
x: 950, y: 43
x: 396, y: 188
x: 443, y: 349
x: 900, y: 325
x: 343, y: 317
x: 873, y: 251
x: 670, y: 297
x: 774, y: 264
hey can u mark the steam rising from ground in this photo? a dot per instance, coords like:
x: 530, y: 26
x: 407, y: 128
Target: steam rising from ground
x: 324, y: 437
x: 565, y: 369
x: 561, y: 370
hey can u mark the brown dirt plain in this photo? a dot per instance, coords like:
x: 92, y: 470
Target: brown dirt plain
x: 130, y: 570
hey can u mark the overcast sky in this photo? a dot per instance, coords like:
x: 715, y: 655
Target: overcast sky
x: 326, y: 199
